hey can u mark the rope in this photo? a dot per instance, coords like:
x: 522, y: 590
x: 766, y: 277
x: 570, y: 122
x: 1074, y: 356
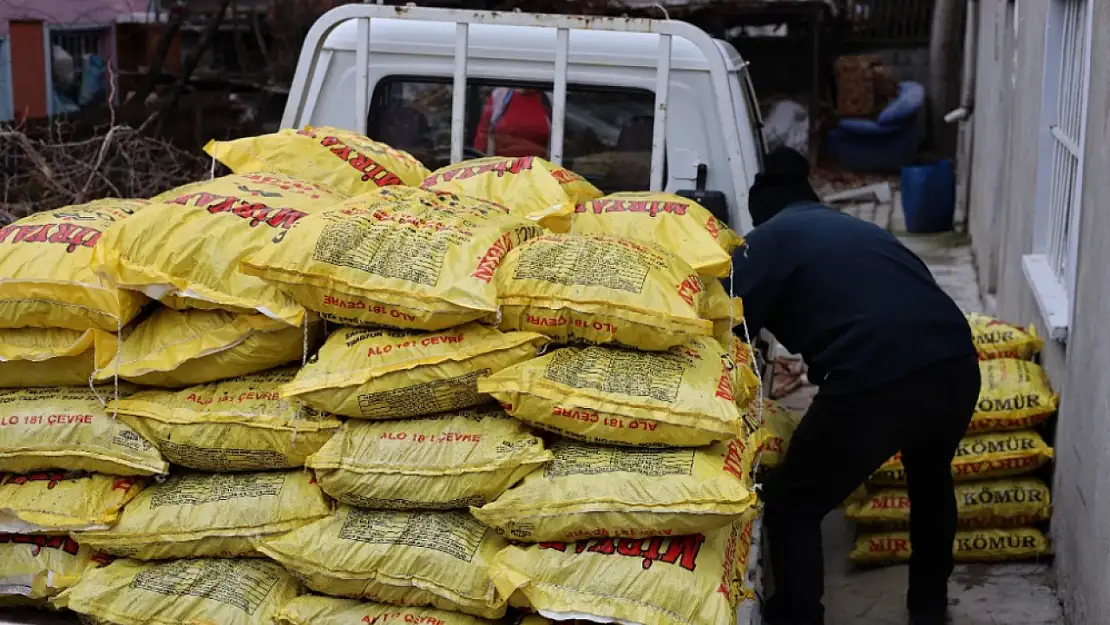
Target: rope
x: 751, y: 354
x: 115, y: 375
x: 304, y: 361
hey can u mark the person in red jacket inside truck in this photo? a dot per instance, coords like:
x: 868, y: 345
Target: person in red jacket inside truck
x: 514, y: 122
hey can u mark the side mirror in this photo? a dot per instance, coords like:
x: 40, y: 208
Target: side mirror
x: 714, y: 201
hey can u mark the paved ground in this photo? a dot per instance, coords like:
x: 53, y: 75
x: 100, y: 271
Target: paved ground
x: 1011, y: 594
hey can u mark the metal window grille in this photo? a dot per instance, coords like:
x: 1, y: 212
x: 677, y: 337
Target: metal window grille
x: 79, y: 41
x: 1069, y: 60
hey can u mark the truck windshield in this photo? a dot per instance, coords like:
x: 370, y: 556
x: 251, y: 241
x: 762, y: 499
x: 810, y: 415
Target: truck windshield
x: 607, y: 135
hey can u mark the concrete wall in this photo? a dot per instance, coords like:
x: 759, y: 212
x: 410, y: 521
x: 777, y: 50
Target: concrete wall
x: 1003, y: 191
x: 67, y: 12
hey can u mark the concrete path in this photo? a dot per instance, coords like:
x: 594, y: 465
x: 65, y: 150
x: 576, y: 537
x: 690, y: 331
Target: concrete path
x: 1004, y: 594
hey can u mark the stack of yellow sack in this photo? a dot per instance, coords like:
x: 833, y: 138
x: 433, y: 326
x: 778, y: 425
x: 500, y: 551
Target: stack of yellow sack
x: 65, y: 464
x: 202, y: 370
x: 213, y: 355
x: 1000, y: 498
x: 501, y: 279
x: 645, y: 512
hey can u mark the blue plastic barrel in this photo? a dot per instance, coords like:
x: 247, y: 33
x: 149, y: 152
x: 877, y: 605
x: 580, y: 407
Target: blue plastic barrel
x: 929, y: 196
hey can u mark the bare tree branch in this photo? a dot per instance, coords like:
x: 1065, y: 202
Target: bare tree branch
x: 190, y: 64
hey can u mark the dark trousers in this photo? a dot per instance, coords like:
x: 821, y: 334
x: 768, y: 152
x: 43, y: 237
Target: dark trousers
x: 839, y: 443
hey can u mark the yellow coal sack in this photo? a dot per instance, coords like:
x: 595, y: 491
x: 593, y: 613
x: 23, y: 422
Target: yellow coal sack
x: 990, y: 503
x: 412, y: 558
x: 45, y: 278
x: 68, y: 428
x: 982, y: 456
x: 35, y: 567
x: 1015, y: 394
x: 451, y: 460
x: 600, y: 491
x: 60, y: 501
x: 979, y: 545
x: 339, y: 160
x: 602, y: 289
x: 40, y: 357
x: 320, y: 610
x: 997, y: 339
x: 187, y: 246
x: 393, y: 374
x: 238, y: 424
x: 683, y: 397
x: 193, y: 515
x: 698, y: 579
x: 678, y: 224
x: 773, y: 437
x: 528, y: 186
x: 196, y: 592
x: 746, y: 384
x: 179, y: 348
x: 400, y: 257
x: 724, y: 311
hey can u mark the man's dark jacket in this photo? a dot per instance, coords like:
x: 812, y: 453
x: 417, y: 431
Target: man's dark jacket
x: 857, y: 305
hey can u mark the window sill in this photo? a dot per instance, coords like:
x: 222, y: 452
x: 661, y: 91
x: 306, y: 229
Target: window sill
x: 1050, y: 294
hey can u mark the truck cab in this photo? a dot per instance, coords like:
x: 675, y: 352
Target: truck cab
x: 631, y: 104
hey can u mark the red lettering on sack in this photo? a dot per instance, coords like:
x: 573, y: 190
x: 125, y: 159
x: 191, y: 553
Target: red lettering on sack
x: 678, y: 550
x: 713, y: 227
x: 364, y: 164
x: 492, y: 258
x: 499, y: 168
x: 72, y: 236
x: 734, y: 459
x: 888, y: 544
x: 890, y: 502
x: 254, y: 213
x: 565, y: 176
x: 124, y: 483
x: 689, y: 287
x: 651, y: 208
x: 51, y: 477
x: 724, y: 384
x: 38, y: 542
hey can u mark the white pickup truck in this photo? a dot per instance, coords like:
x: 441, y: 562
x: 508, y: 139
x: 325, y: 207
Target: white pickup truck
x: 633, y: 104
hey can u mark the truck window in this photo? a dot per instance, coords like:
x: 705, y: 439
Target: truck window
x: 607, y: 137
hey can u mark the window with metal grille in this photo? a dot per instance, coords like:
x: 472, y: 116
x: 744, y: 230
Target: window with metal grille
x: 81, y: 41
x: 1051, y: 268
x: 69, y: 48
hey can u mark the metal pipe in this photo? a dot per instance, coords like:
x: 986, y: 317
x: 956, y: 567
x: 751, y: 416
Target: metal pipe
x: 362, y: 75
x: 458, y: 91
x: 659, y: 131
x: 559, y: 99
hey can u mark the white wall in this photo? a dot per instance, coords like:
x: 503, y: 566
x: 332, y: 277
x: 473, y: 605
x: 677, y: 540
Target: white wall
x: 1003, y: 191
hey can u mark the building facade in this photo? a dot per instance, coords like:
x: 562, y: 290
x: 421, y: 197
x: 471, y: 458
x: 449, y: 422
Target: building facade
x: 38, y: 38
x: 1036, y: 162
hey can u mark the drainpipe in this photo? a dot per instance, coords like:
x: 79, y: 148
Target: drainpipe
x: 943, y: 87
x: 971, y: 54
x: 962, y: 114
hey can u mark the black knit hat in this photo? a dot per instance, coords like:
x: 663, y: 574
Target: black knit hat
x: 784, y: 181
